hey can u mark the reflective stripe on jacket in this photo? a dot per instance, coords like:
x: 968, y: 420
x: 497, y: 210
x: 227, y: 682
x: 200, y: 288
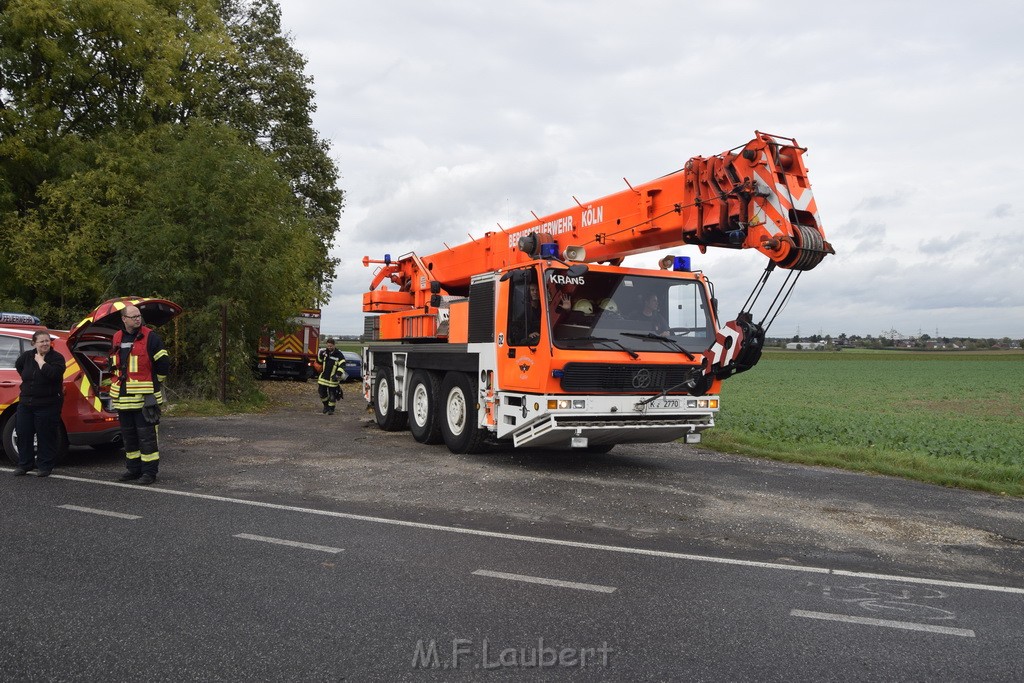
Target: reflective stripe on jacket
x: 332, y: 368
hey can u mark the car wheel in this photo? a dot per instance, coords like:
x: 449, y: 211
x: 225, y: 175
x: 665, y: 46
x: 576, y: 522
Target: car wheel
x: 424, y: 390
x: 10, y: 441
x: 10, y: 447
x: 388, y: 419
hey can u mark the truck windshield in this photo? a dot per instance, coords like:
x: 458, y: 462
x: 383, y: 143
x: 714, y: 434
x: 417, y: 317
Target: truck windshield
x: 638, y: 312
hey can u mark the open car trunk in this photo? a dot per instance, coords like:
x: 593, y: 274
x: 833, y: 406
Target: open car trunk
x: 91, y: 339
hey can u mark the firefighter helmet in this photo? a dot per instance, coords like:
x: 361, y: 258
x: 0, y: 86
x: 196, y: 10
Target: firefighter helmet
x: 584, y: 306
x: 609, y: 305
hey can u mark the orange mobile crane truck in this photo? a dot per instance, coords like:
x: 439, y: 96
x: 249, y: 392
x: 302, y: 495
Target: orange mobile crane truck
x: 538, y: 336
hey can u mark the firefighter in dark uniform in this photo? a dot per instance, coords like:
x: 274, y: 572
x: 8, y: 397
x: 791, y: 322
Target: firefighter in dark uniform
x: 332, y: 374
x: 139, y: 364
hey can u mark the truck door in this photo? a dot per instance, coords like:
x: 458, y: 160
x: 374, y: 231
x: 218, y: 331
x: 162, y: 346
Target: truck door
x: 523, y: 358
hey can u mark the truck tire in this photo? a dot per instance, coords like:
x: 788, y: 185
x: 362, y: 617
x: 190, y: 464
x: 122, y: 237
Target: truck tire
x: 10, y: 443
x: 388, y: 419
x: 424, y: 421
x: 458, y: 421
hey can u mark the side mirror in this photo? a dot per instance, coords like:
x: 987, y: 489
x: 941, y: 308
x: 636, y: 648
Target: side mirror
x: 577, y: 270
x: 517, y: 276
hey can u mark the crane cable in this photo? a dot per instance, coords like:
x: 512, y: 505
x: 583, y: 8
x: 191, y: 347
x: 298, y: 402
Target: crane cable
x: 776, y: 305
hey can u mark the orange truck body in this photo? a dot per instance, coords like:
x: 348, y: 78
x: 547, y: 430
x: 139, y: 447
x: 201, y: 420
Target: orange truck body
x: 446, y: 357
x: 290, y: 352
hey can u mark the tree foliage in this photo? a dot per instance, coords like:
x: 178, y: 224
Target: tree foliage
x: 161, y: 148
x: 267, y: 96
x: 75, y: 69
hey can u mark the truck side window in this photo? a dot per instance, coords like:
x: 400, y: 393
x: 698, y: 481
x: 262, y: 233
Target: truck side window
x: 524, y: 310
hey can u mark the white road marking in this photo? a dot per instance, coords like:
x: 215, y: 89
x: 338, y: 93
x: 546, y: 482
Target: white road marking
x: 547, y: 582
x: 94, y: 511
x: 554, y: 541
x: 294, y: 544
x: 887, y: 623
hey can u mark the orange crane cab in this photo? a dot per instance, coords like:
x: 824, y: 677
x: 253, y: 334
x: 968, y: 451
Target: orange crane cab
x: 538, y: 336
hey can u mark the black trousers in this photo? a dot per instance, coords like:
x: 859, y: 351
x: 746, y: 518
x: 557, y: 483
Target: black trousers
x: 329, y: 395
x: 142, y: 456
x: 42, y: 423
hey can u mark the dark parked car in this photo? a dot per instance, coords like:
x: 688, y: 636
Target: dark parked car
x: 353, y: 365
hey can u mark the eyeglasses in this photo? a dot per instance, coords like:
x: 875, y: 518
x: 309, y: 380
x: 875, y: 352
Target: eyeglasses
x: 131, y: 317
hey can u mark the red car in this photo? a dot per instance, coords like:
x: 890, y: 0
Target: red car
x: 84, y: 421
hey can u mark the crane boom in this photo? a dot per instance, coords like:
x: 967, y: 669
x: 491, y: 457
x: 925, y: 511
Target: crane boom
x: 756, y: 196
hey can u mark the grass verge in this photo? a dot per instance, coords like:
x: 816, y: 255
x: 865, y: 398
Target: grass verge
x: 940, y: 470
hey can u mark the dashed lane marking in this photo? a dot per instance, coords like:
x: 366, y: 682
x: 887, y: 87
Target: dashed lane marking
x: 547, y: 582
x: 94, y: 511
x: 887, y: 623
x: 294, y: 544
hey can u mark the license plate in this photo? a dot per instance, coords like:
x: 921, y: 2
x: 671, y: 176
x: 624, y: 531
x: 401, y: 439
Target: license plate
x: 666, y: 404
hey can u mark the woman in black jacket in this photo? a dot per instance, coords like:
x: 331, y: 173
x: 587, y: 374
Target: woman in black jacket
x: 42, y: 395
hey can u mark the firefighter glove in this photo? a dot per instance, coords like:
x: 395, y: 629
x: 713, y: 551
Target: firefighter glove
x: 150, y: 410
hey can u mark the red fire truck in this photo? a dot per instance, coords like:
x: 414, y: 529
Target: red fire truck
x: 290, y: 352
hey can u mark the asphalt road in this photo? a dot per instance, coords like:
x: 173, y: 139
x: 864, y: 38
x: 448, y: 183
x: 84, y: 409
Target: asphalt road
x: 298, y: 546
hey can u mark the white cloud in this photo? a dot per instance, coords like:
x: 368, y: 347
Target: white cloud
x: 451, y: 116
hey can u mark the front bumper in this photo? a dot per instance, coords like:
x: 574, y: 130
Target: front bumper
x: 609, y: 420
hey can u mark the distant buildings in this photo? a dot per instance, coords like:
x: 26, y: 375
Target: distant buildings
x: 895, y: 337
x: 892, y: 339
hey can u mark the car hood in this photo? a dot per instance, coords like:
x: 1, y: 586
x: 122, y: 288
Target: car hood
x: 105, y: 319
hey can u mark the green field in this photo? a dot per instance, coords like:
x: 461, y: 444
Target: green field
x: 955, y: 419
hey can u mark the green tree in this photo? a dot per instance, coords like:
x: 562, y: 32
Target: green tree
x: 74, y: 70
x: 161, y: 147
x: 190, y: 213
x: 267, y: 96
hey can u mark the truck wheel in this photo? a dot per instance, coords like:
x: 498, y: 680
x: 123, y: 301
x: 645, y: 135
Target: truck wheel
x: 424, y: 422
x: 10, y: 442
x: 388, y: 419
x: 458, y: 422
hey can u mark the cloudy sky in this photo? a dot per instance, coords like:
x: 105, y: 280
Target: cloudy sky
x: 448, y: 116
